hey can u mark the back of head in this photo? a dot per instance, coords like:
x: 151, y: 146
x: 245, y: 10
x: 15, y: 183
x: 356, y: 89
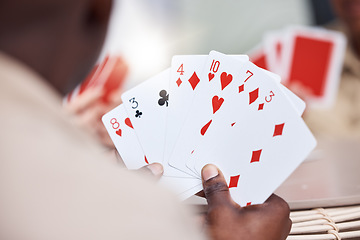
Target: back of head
x: 59, y: 39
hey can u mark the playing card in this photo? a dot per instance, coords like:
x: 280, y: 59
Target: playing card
x: 258, y: 57
x: 313, y: 60
x: 273, y: 49
x: 108, y: 75
x: 146, y: 105
x: 112, y: 76
x: 296, y: 102
x: 122, y: 134
x: 182, y: 187
x: 199, y: 119
x: 257, y: 140
x: 184, y: 82
x: 199, y: 113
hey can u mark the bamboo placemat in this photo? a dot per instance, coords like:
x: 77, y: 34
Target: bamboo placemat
x: 326, y: 223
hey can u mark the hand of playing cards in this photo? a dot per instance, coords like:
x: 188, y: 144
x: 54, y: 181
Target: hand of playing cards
x: 219, y: 109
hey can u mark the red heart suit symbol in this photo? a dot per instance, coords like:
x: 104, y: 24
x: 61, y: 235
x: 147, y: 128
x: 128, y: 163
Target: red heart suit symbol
x: 205, y: 128
x: 225, y: 80
x: 118, y: 132
x: 211, y: 76
x: 216, y: 103
x: 128, y: 123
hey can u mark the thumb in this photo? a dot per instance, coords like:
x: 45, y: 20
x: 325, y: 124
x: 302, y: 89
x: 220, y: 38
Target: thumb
x: 154, y: 169
x: 215, y: 188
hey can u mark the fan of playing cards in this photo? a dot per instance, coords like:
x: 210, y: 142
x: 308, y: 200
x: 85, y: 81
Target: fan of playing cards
x: 219, y: 109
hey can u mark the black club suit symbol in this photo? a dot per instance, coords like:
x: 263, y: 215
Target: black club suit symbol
x: 138, y: 114
x: 164, y: 98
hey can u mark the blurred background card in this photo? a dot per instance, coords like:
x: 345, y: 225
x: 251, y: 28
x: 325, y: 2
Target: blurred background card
x: 258, y: 57
x: 314, y: 60
x: 308, y: 59
x: 274, y: 51
x: 109, y: 75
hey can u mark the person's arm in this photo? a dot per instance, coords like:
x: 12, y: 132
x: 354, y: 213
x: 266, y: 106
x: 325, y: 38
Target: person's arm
x: 227, y: 220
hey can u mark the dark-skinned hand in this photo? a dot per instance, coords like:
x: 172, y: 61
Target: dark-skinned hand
x: 226, y: 220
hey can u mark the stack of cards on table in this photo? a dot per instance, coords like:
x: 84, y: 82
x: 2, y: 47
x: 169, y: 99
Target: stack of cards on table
x: 219, y: 109
x: 308, y: 59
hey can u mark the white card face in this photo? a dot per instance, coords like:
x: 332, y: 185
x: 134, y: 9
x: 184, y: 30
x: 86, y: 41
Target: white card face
x: 122, y: 133
x: 184, y: 83
x: 182, y: 187
x: 184, y: 80
x: 257, y: 140
x: 296, y: 102
x: 190, y: 192
x: 200, y: 112
x: 146, y: 106
x: 179, y: 64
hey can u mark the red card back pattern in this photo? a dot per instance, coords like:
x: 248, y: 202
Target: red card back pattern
x: 260, y: 61
x: 310, y: 63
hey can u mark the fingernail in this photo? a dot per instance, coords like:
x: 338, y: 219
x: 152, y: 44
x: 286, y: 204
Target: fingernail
x: 156, y: 168
x: 209, y: 171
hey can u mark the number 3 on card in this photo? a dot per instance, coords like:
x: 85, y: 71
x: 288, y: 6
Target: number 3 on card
x: 135, y: 103
x: 269, y: 98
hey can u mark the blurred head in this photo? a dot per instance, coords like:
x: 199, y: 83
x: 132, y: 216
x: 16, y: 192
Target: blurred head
x: 60, y: 39
x: 349, y: 12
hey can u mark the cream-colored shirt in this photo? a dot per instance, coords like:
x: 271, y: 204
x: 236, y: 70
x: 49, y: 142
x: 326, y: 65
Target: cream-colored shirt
x: 56, y: 183
x: 343, y: 119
